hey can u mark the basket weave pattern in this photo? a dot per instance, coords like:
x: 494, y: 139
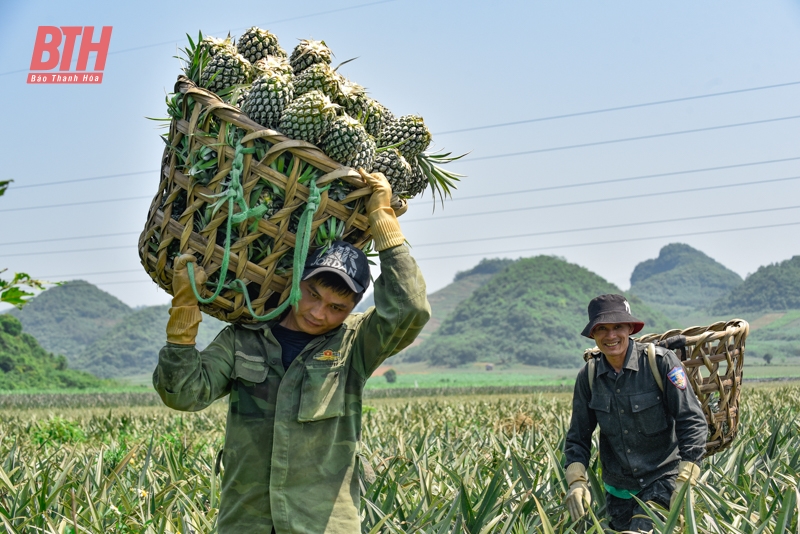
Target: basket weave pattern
x: 714, y: 359
x: 175, y: 223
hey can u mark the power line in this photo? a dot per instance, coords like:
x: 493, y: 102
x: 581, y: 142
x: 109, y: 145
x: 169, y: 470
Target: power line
x: 66, y: 239
x: 113, y: 52
x: 607, y: 227
x: 125, y: 282
x: 42, y: 253
x: 629, y: 179
x: 77, y: 203
x: 46, y: 276
x: 104, y: 177
x: 609, y: 242
x: 626, y: 139
x: 618, y: 108
x: 595, y: 201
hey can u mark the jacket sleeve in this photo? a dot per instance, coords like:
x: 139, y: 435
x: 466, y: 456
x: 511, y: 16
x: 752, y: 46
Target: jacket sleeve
x: 401, y: 310
x: 578, y: 444
x: 188, y: 379
x: 691, y: 428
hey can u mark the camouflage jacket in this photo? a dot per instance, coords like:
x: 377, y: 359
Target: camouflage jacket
x: 292, y: 437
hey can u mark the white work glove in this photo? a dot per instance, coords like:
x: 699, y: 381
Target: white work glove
x: 579, y: 498
x: 687, y: 472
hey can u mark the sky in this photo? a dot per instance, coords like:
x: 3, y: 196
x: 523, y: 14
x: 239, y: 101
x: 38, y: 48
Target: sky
x: 633, y: 125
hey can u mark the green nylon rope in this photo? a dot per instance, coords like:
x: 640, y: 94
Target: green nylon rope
x: 235, y: 194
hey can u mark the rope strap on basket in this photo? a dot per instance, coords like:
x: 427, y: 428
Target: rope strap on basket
x: 234, y: 194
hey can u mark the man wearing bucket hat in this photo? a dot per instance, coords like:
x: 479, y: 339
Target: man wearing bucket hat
x: 292, y: 438
x: 651, y: 441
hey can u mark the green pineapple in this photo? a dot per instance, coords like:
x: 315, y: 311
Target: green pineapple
x: 410, y: 130
x: 278, y: 65
x: 213, y: 45
x: 396, y: 169
x: 268, y: 97
x: 349, y: 143
x: 418, y: 182
x: 372, y: 114
x: 309, y: 52
x: 320, y: 77
x: 308, y: 117
x: 255, y: 44
x: 225, y: 70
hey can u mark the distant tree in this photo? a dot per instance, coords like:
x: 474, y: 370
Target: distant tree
x: 10, y: 290
x: 768, y: 358
x: 390, y: 376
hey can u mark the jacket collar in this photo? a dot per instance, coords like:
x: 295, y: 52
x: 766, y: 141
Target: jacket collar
x: 631, y: 362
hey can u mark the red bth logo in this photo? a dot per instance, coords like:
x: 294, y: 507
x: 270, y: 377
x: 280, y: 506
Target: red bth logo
x: 49, y: 54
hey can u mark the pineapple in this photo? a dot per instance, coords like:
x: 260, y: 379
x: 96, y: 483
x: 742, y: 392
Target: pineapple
x: 279, y: 65
x: 268, y: 97
x: 320, y: 77
x: 224, y: 70
x: 309, y: 52
x: 308, y: 117
x: 410, y: 130
x: 395, y: 168
x: 349, y: 143
x: 418, y: 182
x: 212, y: 45
x: 255, y: 44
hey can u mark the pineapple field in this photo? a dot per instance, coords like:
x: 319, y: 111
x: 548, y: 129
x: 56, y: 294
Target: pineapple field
x: 470, y: 464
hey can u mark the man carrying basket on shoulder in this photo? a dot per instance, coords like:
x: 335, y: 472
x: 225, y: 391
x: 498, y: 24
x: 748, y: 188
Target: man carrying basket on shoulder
x: 294, y: 419
x: 652, y: 437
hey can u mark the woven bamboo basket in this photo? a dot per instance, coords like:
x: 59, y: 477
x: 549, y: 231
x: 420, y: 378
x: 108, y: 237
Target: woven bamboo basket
x: 713, y: 357
x: 181, y: 218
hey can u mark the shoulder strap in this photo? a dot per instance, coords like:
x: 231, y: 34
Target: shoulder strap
x: 590, y: 372
x: 651, y: 358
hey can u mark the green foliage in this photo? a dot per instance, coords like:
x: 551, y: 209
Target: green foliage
x: 682, y: 279
x: 772, y: 287
x: 485, y: 266
x: 56, y: 430
x: 390, y: 376
x: 24, y: 364
x: 531, y: 312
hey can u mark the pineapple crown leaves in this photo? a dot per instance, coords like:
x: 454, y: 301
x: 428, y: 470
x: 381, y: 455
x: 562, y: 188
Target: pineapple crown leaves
x: 442, y: 182
x: 194, y: 58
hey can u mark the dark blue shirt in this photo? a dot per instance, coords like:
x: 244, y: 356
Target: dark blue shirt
x: 292, y: 343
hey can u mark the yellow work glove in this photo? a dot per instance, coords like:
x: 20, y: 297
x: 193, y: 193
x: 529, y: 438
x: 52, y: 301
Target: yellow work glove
x: 184, y: 315
x: 687, y: 472
x: 579, y: 498
x: 382, y: 218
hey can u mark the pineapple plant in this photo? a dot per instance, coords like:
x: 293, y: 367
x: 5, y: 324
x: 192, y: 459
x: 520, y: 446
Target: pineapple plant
x: 349, y: 143
x: 408, y: 133
x: 395, y: 168
x: 308, y: 117
x: 255, y: 44
x: 309, y: 52
x: 226, y: 69
x: 268, y: 97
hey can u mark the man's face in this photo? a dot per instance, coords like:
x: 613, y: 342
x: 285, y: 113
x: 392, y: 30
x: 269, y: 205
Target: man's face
x: 612, y: 339
x: 320, y: 309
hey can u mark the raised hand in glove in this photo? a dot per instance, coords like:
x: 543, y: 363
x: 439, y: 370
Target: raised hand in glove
x: 184, y: 315
x: 579, y: 498
x: 687, y: 472
x: 382, y: 218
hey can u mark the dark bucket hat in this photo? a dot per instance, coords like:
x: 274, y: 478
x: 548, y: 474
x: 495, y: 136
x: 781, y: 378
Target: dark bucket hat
x: 610, y: 309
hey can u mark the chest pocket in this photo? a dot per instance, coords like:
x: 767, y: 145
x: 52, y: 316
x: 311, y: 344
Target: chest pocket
x: 248, y: 392
x: 601, y: 404
x: 249, y: 368
x: 322, y: 395
x: 648, y: 412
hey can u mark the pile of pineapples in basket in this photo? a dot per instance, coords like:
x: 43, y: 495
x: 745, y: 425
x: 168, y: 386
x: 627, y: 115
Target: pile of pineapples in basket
x: 304, y: 97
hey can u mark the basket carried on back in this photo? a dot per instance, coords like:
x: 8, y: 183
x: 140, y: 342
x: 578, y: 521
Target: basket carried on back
x: 189, y: 215
x: 713, y: 357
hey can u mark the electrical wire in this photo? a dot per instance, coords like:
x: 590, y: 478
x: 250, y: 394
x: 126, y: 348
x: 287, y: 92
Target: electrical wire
x: 617, y: 108
x: 84, y: 203
x: 630, y: 240
x: 66, y: 239
x: 46, y: 276
x: 598, y: 200
x: 104, y: 177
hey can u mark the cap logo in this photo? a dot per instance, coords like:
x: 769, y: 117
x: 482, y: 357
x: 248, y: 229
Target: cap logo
x: 627, y: 306
x: 340, y: 258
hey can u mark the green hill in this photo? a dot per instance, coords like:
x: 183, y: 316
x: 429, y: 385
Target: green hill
x: 131, y: 347
x: 68, y: 318
x: 774, y: 287
x: 681, y: 281
x: 24, y: 364
x: 100, y: 334
x: 531, y: 312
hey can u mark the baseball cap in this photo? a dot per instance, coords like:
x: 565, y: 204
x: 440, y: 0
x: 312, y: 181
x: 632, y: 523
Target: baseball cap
x: 343, y: 259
